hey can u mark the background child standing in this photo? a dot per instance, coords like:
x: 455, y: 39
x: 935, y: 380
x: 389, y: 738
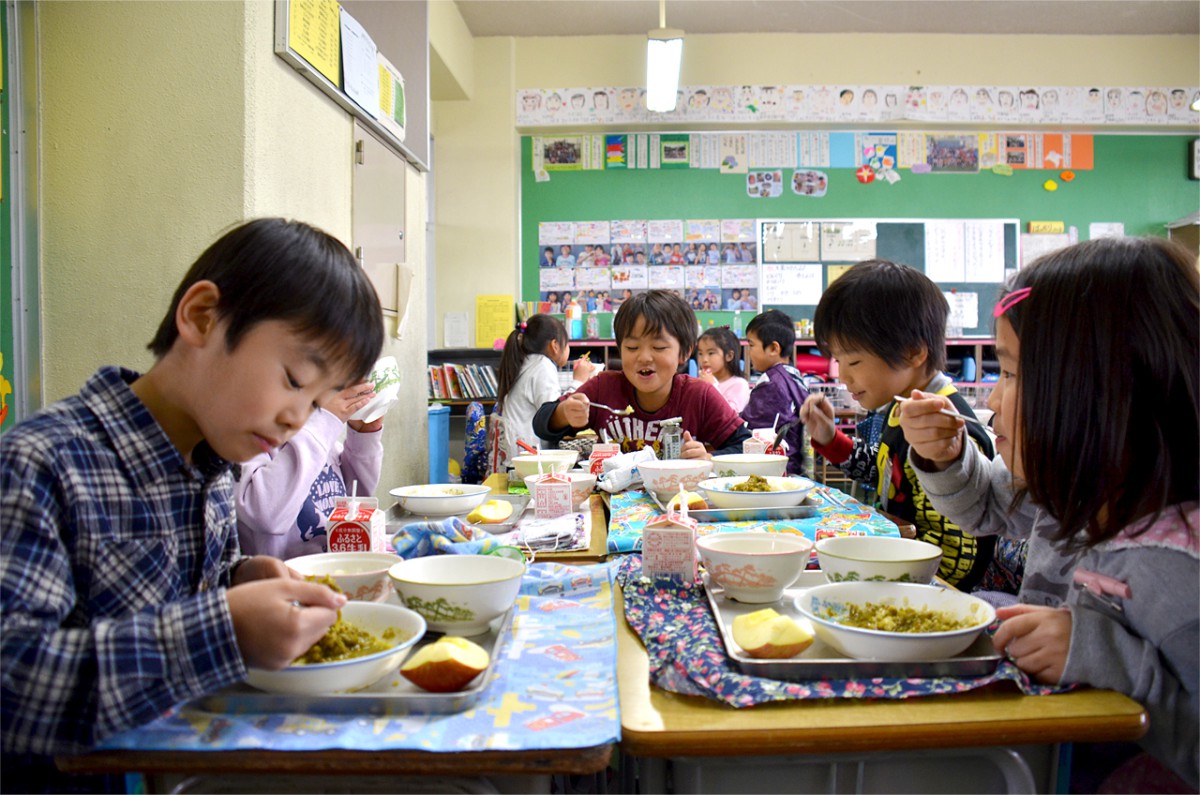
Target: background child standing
x: 719, y: 354
x: 656, y: 334
x: 123, y: 590
x: 283, y: 496
x: 778, y: 397
x: 528, y: 377
x: 1098, y: 421
x: 881, y: 354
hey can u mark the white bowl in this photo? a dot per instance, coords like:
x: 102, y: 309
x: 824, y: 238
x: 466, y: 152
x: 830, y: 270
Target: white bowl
x: 458, y: 594
x: 754, y: 566
x: 734, y: 464
x: 362, y: 576
x: 878, y: 559
x: 582, y: 484
x: 822, y: 603
x: 785, y: 492
x: 665, y: 478
x: 441, y: 499
x: 548, y: 460
x: 357, y: 672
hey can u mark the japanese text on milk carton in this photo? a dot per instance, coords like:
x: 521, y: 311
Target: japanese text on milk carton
x: 669, y: 547
x: 356, y: 525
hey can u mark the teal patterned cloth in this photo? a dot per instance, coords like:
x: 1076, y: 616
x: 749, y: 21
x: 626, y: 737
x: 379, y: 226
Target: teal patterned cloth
x: 630, y: 511
x: 555, y: 686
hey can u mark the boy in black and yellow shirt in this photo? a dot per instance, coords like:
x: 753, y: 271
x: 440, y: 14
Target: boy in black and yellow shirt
x: 880, y: 355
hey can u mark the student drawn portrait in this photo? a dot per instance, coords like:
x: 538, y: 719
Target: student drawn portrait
x: 806, y: 182
x: 953, y: 153
x: 1005, y: 100
x: 846, y: 97
x: 601, y: 102
x: 889, y: 100
x: 578, y: 101
x: 630, y: 100
x: 531, y: 101
x: 721, y: 100
x: 698, y: 100
x: 554, y: 103
x: 1156, y: 104
x: 1178, y: 99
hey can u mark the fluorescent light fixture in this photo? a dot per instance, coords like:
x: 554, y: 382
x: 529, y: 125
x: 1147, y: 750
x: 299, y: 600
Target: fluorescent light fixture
x: 664, y: 51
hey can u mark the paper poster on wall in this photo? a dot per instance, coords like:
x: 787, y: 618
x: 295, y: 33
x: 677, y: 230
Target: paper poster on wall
x: 314, y: 33
x: 764, y: 184
x: 791, y: 283
x: 1034, y: 246
x: 494, y: 317
x: 950, y: 154
x: 910, y: 149
x: 773, y: 150
x: 628, y: 231
x: 360, y: 65
x: 556, y: 279
x: 702, y: 275
x: 847, y: 241
x: 455, y: 332
x: 562, y: 154
x: 834, y: 272
x: 392, y: 108
x: 593, y: 279
x: 809, y: 182
x: 666, y: 277
x: 877, y: 150
x: 734, y: 158
x: 945, y: 251
x: 556, y: 233
x: 631, y: 277
x: 983, y: 252
x: 739, y: 276
x: 812, y: 149
x: 616, y: 151
x: 675, y: 151
x: 664, y: 231
x: 734, y: 230
x: 707, y: 231
x: 643, y: 151
x: 791, y: 241
x: 1097, y: 230
x: 592, y: 232
x: 964, y: 311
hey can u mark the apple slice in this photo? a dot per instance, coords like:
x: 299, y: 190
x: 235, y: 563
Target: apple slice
x: 765, y: 634
x: 447, y: 665
x: 491, y: 512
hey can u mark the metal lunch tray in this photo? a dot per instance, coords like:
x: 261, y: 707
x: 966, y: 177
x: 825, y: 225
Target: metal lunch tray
x: 397, y: 516
x: 391, y: 695
x: 822, y: 661
x: 806, y: 508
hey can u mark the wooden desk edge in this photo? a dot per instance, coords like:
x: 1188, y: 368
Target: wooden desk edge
x: 577, y: 761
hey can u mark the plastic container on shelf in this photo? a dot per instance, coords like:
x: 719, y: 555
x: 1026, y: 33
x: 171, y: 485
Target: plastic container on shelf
x: 574, y: 316
x: 439, y: 443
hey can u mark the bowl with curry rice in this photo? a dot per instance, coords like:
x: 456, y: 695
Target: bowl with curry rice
x: 367, y: 642
x: 755, y: 491
x: 895, y: 621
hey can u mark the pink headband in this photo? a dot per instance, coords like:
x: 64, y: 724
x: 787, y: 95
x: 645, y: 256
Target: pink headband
x: 1009, y: 301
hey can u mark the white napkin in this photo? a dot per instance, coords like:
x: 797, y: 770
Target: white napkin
x: 620, y: 472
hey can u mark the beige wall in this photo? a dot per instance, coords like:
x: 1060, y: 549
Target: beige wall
x: 164, y: 123
x: 477, y: 177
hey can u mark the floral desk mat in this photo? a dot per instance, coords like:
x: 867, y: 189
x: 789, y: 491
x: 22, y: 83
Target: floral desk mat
x: 630, y: 511
x: 687, y: 656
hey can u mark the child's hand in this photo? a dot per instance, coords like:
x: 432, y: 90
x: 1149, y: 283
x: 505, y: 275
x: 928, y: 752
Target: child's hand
x: 692, y: 448
x: 358, y: 426
x: 277, y: 620
x: 349, y: 400
x: 817, y: 416
x: 934, y: 437
x: 584, y: 369
x: 1036, y: 638
x: 260, y: 567
x: 572, y: 411
x: 707, y: 376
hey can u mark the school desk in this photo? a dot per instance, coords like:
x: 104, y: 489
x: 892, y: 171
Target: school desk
x: 994, y: 738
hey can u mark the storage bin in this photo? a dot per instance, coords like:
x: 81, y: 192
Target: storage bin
x: 439, y: 443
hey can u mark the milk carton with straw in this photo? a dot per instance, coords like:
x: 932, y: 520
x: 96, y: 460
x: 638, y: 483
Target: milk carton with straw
x: 356, y: 525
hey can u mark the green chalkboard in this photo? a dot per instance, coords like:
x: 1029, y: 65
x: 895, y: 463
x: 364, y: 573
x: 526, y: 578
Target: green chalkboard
x: 1138, y: 180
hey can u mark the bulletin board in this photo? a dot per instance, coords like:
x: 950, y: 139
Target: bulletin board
x: 1139, y: 181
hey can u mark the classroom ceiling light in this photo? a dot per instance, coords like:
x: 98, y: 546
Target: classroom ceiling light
x: 664, y: 51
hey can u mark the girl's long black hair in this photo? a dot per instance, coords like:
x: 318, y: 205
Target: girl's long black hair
x: 728, y: 342
x: 532, y: 336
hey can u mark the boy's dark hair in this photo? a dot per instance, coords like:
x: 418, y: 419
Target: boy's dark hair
x: 538, y: 332
x: 728, y: 342
x: 775, y: 326
x: 664, y: 311
x: 1109, y: 341
x: 275, y: 269
x: 886, y: 309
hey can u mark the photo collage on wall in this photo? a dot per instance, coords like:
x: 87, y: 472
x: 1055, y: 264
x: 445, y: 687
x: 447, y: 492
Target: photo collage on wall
x: 712, y: 264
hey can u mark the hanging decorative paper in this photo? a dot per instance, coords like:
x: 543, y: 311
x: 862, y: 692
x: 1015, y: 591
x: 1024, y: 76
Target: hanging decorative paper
x: 865, y: 175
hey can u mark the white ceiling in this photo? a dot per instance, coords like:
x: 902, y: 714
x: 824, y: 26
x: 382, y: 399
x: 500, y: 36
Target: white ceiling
x: 629, y: 17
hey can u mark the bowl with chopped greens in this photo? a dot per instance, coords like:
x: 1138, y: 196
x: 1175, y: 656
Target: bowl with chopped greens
x: 755, y: 491
x: 878, y: 558
x: 895, y: 621
x: 367, y: 642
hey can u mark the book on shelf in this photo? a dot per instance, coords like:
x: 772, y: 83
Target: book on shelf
x: 454, y: 388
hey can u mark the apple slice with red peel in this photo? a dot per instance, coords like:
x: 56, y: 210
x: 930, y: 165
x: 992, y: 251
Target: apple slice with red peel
x: 765, y: 634
x: 446, y: 665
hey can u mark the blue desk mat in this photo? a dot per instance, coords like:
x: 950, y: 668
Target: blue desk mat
x: 631, y: 510
x: 555, y: 686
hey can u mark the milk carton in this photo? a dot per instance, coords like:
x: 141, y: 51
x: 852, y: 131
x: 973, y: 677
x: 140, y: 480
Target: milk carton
x: 669, y: 547
x: 599, y: 453
x: 552, y: 495
x: 360, y: 531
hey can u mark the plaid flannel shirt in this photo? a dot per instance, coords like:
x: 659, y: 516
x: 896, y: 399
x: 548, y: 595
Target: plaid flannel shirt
x: 113, y: 556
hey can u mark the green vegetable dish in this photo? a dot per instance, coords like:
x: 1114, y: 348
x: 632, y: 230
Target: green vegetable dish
x: 890, y: 618
x: 345, y: 642
x: 753, y: 483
